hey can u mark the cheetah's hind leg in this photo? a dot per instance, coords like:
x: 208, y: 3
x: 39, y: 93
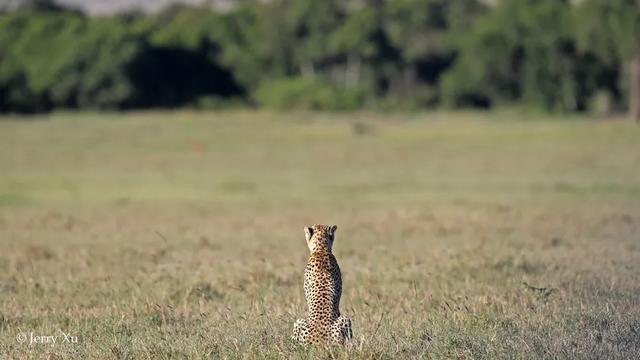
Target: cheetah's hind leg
x: 300, y: 331
x: 341, y: 330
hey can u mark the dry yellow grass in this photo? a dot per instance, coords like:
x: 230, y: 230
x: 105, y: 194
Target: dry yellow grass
x: 179, y: 235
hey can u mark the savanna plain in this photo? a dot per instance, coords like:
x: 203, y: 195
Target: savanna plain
x: 166, y: 235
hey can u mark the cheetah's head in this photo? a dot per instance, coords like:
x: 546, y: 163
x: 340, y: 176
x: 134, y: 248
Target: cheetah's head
x: 320, y: 236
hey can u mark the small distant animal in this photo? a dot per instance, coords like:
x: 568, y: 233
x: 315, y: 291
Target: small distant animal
x: 322, y: 290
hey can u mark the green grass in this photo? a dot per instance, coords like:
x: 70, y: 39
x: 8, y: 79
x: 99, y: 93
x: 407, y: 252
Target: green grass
x: 179, y: 234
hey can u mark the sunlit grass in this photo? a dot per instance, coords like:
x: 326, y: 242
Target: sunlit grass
x: 168, y: 235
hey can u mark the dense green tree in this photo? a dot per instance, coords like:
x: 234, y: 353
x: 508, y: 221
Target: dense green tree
x: 521, y: 49
x: 254, y: 42
x: 329, y: 43
x: 64, y: 59
x: 612, y: 29
x: 353, y: 45
x: 52, y: 59
x: 421, y: 29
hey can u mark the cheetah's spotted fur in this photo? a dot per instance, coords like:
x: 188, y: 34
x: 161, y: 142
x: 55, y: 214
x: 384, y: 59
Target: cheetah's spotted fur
x: 322, y: 290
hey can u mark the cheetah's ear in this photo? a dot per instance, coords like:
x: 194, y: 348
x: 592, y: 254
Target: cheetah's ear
x: 333, y: 229
x: 308, y: 232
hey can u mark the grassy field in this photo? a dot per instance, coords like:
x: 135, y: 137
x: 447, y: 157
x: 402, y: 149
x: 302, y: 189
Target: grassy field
x: 180, y: 235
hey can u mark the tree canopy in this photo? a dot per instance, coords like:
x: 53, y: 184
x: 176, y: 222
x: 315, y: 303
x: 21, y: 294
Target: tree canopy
x: 552, y: 54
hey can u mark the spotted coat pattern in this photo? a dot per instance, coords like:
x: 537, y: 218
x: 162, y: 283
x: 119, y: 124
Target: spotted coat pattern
x: 322, y: 290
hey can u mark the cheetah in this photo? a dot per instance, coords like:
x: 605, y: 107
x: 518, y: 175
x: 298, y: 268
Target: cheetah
x: 322, y: 290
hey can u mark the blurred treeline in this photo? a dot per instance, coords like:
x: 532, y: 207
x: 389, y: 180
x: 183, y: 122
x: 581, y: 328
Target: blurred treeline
x: 332, y: 54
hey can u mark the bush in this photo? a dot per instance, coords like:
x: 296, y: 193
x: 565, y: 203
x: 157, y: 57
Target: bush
x: 300, y: 93
x: 214, y: 102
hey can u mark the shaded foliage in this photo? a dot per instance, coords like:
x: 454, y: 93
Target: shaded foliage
x: 174, y: 77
